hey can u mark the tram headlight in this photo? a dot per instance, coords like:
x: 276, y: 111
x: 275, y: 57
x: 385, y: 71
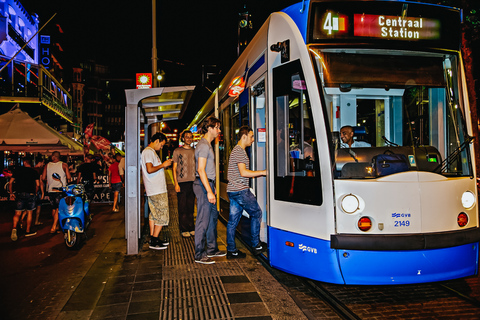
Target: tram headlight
x: 468, y: 199
x: 350, y: 203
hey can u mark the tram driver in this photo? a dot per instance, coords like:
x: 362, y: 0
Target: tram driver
x: 346, y: 134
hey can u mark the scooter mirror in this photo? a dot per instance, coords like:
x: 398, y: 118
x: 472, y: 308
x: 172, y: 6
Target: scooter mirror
x: 56, y: 176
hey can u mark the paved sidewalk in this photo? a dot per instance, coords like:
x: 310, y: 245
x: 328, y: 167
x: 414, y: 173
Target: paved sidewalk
x: 164, y: 284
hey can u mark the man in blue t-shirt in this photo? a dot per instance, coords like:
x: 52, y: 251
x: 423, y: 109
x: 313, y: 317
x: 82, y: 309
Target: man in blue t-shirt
x: 241, y: 198
x: 26, y: 183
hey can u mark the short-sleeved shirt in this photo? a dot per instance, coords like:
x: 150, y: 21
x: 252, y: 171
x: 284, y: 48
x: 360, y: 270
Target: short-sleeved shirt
x: 235, y: 181
x: 185, y: 160
x: 25, y: 178
x: 154, y: 182
x: 204, y: 150
x: 87, y: 170
x: 355, y: 144
x: 115, y: 174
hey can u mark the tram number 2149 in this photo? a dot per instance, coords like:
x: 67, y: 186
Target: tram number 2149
x: 401, y: 223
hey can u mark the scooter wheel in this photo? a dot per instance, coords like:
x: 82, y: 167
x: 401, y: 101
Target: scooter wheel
x: 72, y: 240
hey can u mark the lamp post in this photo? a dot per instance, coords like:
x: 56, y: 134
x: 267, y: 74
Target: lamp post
x: 154, y: 44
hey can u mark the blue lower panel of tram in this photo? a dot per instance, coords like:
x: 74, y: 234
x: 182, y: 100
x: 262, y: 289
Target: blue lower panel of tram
x: 313, y: 258
x: 304, y: 256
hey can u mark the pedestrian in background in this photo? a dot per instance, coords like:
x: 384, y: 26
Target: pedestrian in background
x: 204, y: 188
x: 27, y: 184
x: 156, y: 189
x: 41, y: 193
x: 183, y: 177
x: 61, y: 168
x: 121, y: 170
x: 115, y: 181
x: 241, y: 198
x: 87, y: 174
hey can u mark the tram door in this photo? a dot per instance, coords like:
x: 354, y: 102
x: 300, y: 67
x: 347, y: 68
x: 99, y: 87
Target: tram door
x: 259, y: 149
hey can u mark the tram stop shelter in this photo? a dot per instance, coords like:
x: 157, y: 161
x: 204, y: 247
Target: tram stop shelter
x: 145, y: 107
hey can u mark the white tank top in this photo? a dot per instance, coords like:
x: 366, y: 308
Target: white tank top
x: 52, y: 183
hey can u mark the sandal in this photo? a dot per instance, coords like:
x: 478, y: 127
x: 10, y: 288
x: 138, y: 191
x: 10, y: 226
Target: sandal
x: 38, y: 223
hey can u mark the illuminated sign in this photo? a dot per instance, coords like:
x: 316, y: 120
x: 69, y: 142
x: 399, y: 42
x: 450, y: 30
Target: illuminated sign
x: 385, y: 23
x: 144, y: 80
x: 335, y: 23
x: 394, y: 27
x: 237, y: 87
x: 45, y: 59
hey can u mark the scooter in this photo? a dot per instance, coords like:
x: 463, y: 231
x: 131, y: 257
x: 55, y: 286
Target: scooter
x: 73, y: 213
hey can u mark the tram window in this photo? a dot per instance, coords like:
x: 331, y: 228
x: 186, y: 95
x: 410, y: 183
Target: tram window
x: 297, y: 173
x: 408, y: 103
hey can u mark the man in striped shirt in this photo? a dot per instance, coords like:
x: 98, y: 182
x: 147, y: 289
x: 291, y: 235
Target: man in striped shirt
x: 241, y: 198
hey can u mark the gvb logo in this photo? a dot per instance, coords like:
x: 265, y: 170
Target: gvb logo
x: 307, y: 249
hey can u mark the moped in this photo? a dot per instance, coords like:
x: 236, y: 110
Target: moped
x: 73, y: 213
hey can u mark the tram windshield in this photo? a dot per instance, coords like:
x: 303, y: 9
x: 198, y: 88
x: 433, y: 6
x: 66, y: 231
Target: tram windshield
x: 394, y: 112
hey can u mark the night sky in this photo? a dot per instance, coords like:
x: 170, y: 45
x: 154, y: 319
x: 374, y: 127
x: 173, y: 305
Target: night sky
x: 118, y: 34
x: 189, y: 33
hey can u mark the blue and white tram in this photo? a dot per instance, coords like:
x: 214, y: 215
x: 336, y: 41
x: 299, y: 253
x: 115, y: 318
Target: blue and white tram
x: 399, y: 208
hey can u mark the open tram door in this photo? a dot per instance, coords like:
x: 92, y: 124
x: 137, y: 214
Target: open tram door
x: 259, y: 149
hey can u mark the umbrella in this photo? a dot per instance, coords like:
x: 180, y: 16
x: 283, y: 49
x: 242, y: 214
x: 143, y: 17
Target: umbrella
x: 21, y: 133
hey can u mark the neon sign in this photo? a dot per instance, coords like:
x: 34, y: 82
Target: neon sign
x: 396, y: 28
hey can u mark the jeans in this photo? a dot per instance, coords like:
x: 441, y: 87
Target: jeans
x: 206, y: 224
x: 186, y: 206
x: 239, y: 201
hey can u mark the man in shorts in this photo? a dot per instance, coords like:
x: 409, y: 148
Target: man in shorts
x: 156, y: 188
x: 55, y: 166
x: 27, y: 184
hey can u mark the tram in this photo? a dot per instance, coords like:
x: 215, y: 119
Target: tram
x: 399, y: 204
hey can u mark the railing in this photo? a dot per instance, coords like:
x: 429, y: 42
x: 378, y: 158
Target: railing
x: 26, y: 80
x: 20, y: 41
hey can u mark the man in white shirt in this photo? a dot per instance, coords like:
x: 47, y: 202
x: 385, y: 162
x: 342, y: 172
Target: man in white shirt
x: 156, y: 188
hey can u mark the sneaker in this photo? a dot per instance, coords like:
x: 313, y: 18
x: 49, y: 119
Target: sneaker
x: 165, y: 242
x: 258, y: 249
x: 158, y: 245
x: 217, y: 254
x: 192, y: 233
x: 31, y: 233
x: 205, y: 260
x: 236, y: 254
x: 186, y: 234
x: 14, y: 236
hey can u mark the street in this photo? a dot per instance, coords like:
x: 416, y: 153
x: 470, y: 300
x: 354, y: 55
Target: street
x: 40, y: 270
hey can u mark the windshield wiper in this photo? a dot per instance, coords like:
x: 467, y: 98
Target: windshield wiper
x: 452, y: 156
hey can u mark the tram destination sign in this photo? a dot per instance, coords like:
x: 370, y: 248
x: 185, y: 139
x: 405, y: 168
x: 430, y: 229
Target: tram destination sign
x: 396, y: 28
x: 370, y: 22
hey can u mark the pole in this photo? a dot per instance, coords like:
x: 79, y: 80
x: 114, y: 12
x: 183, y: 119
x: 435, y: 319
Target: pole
x: 154, y: 44
x: 28, y: 42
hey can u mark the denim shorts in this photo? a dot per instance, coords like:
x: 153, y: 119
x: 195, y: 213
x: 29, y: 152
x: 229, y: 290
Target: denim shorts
x: 116, y: 186
x: 25, y: 201
x: 55, y: 198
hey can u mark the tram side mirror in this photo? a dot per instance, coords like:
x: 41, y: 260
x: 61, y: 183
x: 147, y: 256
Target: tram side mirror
x: 283, y: 48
